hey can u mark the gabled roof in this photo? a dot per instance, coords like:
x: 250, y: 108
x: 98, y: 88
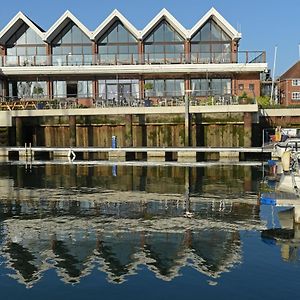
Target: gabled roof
x: 292, y: 72
x: 14, y: 25
x: 61, y: 23
x: 164, y: 14
x: 216, y: 16
x: 115, y: 15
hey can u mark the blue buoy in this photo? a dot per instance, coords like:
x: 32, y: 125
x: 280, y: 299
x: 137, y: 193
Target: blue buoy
x: 272, y: 162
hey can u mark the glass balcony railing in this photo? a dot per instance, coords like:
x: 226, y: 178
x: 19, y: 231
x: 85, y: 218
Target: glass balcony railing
x: 17, y: 61
x: 164, y: 58
x: 133, y: 59
x: 117, y: 59
x: 210, y: 58
x: 72, y: 60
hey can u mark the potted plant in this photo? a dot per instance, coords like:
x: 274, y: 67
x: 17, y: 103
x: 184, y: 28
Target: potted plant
x: 148, y: 87
x: 243, y: 99
x: 37, y: 90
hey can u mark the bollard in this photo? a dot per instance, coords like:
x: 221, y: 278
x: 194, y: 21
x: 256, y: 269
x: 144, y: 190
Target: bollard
x: 114, y: 141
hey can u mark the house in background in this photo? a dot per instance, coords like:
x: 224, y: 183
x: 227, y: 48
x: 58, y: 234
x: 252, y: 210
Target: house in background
x: 289, y: 86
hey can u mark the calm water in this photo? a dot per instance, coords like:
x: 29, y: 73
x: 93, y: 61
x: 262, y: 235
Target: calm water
x: 77, y: 231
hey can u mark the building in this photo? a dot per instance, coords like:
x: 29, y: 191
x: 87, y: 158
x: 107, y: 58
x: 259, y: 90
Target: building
x: 289, y: 85
x: 117, y: 62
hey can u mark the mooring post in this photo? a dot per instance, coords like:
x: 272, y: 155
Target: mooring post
x: 19, y: 131
x: 72, y: 127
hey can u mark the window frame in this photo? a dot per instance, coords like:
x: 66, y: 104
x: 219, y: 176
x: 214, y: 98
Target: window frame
x: 296, y: 96
x: 295, y: 82
x: 113, y: 49
x: 165, y: 56
x: 211, y: 55
x: 59, y: 44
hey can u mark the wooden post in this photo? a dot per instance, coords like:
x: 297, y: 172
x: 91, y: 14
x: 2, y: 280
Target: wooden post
x: 128, y: 131
x: 72, y: 128
x: 247, y: 129
x: 19, y: 132
x: 142, y: 123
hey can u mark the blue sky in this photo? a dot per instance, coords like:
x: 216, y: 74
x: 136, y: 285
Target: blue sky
x: 263, y: 23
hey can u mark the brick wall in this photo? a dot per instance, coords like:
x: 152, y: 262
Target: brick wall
x: 286, y: 92
x: 248, y: 83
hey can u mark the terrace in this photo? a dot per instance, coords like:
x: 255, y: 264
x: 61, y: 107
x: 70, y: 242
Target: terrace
x: 45, y: 103
x: 241, y: 57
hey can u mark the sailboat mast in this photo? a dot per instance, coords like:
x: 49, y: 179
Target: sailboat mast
x: 273, y: 75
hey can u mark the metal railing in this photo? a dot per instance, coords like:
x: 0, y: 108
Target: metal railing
x: 70, y: 102
x: 132, y: 59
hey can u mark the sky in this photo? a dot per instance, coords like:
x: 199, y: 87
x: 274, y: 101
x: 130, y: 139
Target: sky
x: 264, y: 24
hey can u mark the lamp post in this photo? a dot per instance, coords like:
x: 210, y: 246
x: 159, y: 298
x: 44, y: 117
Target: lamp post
x: 187, y: 119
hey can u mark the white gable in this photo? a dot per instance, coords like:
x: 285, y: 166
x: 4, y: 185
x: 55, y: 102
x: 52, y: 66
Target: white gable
x: 61, y: 23
x: 115, y: 15
x: 164, y: 14
x: 213, y: 13
x: 14, y: 24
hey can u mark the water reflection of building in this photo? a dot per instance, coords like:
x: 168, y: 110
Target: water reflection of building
x: 76, y: 219
x: 75, y: 237
x: 217, y: 179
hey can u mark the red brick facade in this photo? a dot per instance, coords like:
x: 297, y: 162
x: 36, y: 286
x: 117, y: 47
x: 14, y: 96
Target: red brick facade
x: 289, y: 86
x: 247, y: 83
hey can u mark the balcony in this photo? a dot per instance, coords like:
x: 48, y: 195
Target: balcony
x: 134, y: 59
x: 130, y: 100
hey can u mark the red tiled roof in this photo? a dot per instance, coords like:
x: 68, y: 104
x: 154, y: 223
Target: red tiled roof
x: 292, y: 72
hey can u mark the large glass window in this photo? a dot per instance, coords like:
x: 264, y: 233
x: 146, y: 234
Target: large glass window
x: 85, y: 89
x: 27, y: 89
x: 119, y: 89
x: 211, y: 86
x: 210, y: 45
x: 25, y: 47
x: 72, y: 89
x: 164, y: 87
x: 164, y: 45
x: 118, y: 46
x: 72, y: 47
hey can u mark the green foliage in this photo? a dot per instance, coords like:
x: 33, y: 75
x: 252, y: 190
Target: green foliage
x: 263, y: 100
x: 37, y: 90
x: 148, y: 86
x: 243, y: 96
x: 244, y: 99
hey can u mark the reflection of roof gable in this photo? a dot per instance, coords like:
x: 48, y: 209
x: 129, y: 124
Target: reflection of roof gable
x: 164, y: 15
x: 60, y: 24
x: 109, y: 21
x: 15, y: 24
x: 216, y: 16
x: 292, y: 72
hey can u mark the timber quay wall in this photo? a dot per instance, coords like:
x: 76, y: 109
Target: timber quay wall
x: 231, y: 126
